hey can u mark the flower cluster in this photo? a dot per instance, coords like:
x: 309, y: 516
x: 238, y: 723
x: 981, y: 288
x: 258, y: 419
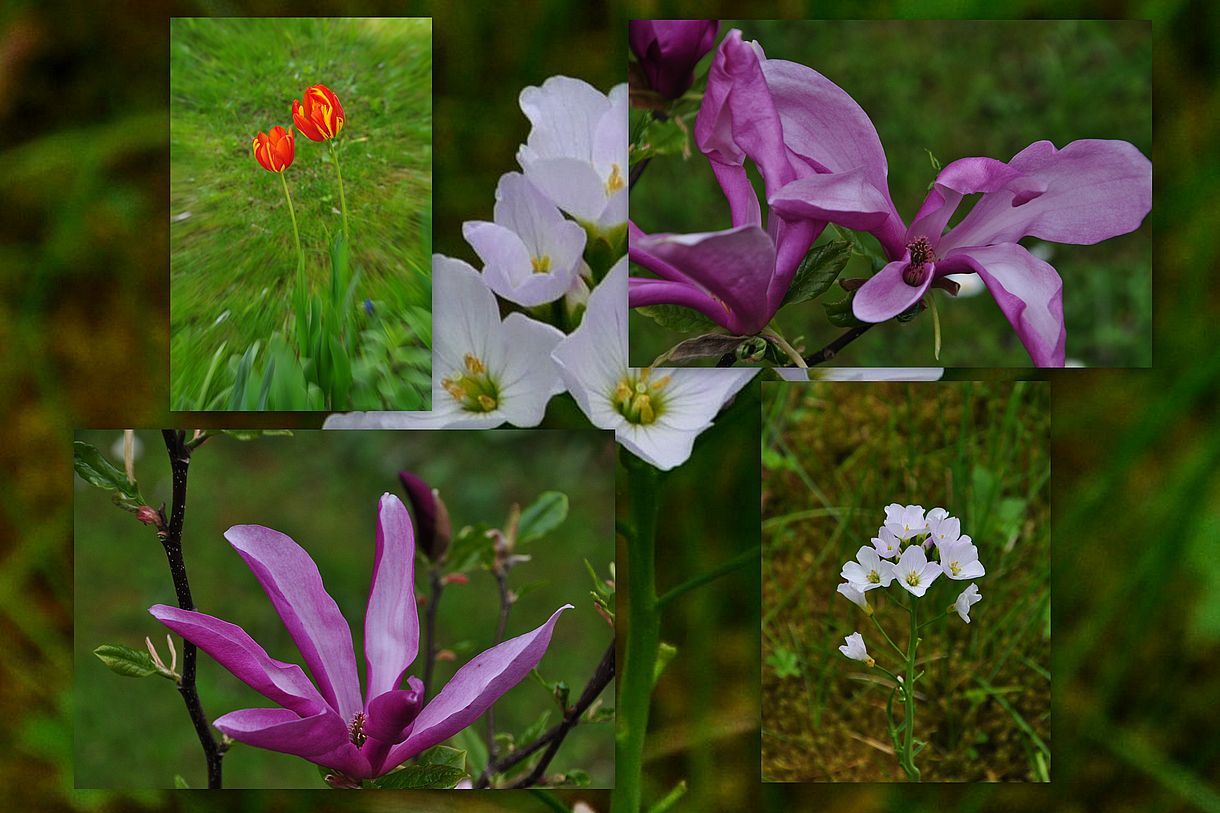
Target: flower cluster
x: 822, y: 162
x: 553, y: 259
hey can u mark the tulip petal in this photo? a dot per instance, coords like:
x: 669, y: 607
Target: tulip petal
x: 292, y: 582
x: 1029, y: 293
x: 286, y: 731
x: 734, y: 265
x: 391, y: 621
x: 231, y: 647
x: 474, y: 688
x: 1092, y: 190
x: 886, y: 294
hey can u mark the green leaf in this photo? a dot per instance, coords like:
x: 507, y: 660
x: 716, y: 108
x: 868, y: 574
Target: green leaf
x: 784, y: 662
x: 668, y: 136
x: 338, y: 269
x: 678, y: 318
x: 96, y: 470
x: 126, y: 661
x: 470, y: 549
x: 818, y: 271
x: 840, y: 314
x: 443, y: 755
x: 665, y: 654
x: 416, y: 777
x: 543, y: 515
x: 255, y: 434
x: 241, y: 377
x: 180, y: 783
x: 341, y: 375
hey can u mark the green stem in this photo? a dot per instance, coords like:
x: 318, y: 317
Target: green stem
x: 908, y: 692
x: 334, y: 154
x: 783, y: 344
x: 881, y: 629
x: 743, y: 558
x: 642, y: 641
x: 934, y: 620
x: 295, y: 232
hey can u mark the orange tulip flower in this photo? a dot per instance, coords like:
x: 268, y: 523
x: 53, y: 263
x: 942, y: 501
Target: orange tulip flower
x: 320, y: 117
x: 276, y: 150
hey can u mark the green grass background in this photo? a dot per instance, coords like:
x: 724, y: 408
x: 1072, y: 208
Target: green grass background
x: 84, y: 172
x: 232, y: 254
x: 956, y: 89
x: 833, y: 457
x: 289, y: 484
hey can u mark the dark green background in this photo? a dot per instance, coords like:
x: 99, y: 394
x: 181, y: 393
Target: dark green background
x: 84, y: 171
x: 956, y: 89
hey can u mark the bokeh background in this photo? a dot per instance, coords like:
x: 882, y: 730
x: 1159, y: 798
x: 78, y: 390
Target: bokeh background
x: 232, y: 252
x: 84, y: 169
x: 289, y: 484
x: 955, y: 89
x: 834, y: 455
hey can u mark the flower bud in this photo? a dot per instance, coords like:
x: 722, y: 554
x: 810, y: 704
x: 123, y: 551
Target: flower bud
x: 433, y: 530
x: 275, y: 150
x: 668, y: 51
x: 149, y: 516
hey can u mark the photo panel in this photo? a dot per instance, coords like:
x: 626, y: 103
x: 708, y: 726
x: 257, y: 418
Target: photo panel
x: 906, y: 543
x: 300, y: 213
x: 374, y: 609
x: 858, y: 190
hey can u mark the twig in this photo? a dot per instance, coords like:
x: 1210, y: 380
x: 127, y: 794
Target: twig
x: 505, y: 605
x: 436, y: 585
x: 554, y: 736
x: 171, y: 540
x: 831, y: 350
x: 636, y: 172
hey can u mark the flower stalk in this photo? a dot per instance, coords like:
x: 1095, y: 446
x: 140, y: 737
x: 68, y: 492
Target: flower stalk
x: 334, y: 156
x: 295, y: 232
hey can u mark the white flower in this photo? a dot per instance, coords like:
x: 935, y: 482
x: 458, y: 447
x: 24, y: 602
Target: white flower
x: 905, y: 521
x: 942, y: 527
x: 484, y: 372
x: 855, y: 596
x: 861, y: 373
x: 960, y: 560
x: 655, y: 414
x: 968, y: 598
x: 854, y: 649
x: 886, y: 543
x: 531, y: 253
x: 914, y: 572
x: 869, y: 571
x: 576, y: 153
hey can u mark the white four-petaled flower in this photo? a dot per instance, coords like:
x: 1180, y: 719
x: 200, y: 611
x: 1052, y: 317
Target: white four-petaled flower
x: 655, y: 414
x: 869, y: 571
x: 914, y: 572
x: 905, y: 521
x: 960, y: 559
x: 968, y: 598
x: 855, y: 596
x: 886, y: 543
x: 854, y: 649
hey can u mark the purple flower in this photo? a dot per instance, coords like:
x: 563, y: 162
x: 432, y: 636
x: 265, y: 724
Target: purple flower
x: 668, y: 51
x: 1087, y: 192
x: 328, y: 723
x: 793, y: 123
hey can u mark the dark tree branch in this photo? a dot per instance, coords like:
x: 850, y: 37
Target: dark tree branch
x: 553, y: 737
x: 171, y: 541
x: 436, y: 585
x: 636, y: 172
x: 831, y: 350
x: 505, y: 605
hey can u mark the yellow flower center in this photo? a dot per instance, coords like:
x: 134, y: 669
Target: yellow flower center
x: 473, y: 387
x: 913, y: 579
x: 874, y: 577
x: 542, y: 265
x: 956, y: 568
x: 638, y: 398
x: 615, y: 182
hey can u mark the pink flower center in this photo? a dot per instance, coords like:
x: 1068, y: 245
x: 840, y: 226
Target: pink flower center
x: 922, y: 255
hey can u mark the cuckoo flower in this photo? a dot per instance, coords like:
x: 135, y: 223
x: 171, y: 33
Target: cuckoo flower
x: 793, y: 123
x: 914, y: 572
x: 325, y: 720
x: 320, y: 117
x: 531, y: 253
x: 275, y: 150
x: 484, y: 372
x: 576, y: 152
x: 655, y: 414
x: 967, y: 599
x: 854, y: 648
x: 668, y: 51
x: 869, y: 571
x: 1087, y: 192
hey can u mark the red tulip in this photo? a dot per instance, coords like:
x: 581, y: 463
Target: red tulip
x: 321, y: 117
x: 275, y: 150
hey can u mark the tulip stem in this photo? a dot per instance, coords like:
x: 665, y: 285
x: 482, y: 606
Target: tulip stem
x: 295, y: 232
x: 334, y: 155
x: 171, y: 539
x: 643, y: 638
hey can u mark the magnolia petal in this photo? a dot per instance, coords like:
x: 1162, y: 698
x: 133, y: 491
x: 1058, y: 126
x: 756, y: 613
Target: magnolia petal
x: 643, y: 292
x: 965, y: 176
x: 1029, y: 293
x: 286, y: 731
x: 292, y: 582
x: 473, y: 689
x: 886, y: 294
x: 846, y: 198
x: 391, y: 713
x: 231, y: 647
x: 1091, y: 190
x: 391, y: 621
x: 735, y: 266
x: 743, y: 200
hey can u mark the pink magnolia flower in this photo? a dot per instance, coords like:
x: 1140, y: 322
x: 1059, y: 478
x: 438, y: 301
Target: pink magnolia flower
x: 325, y: 720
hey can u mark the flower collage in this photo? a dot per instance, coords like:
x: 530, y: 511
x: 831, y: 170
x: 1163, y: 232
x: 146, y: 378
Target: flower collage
x: 687, y: 423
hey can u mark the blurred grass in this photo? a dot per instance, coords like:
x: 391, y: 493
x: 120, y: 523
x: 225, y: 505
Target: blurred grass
x: 289, y: 484
x: 232, y: 252
x: 956, y: 89
x: 834, y: 456
x: 84, y: 173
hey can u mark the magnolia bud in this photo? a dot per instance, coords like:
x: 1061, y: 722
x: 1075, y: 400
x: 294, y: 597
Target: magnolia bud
x: 149, y: 516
